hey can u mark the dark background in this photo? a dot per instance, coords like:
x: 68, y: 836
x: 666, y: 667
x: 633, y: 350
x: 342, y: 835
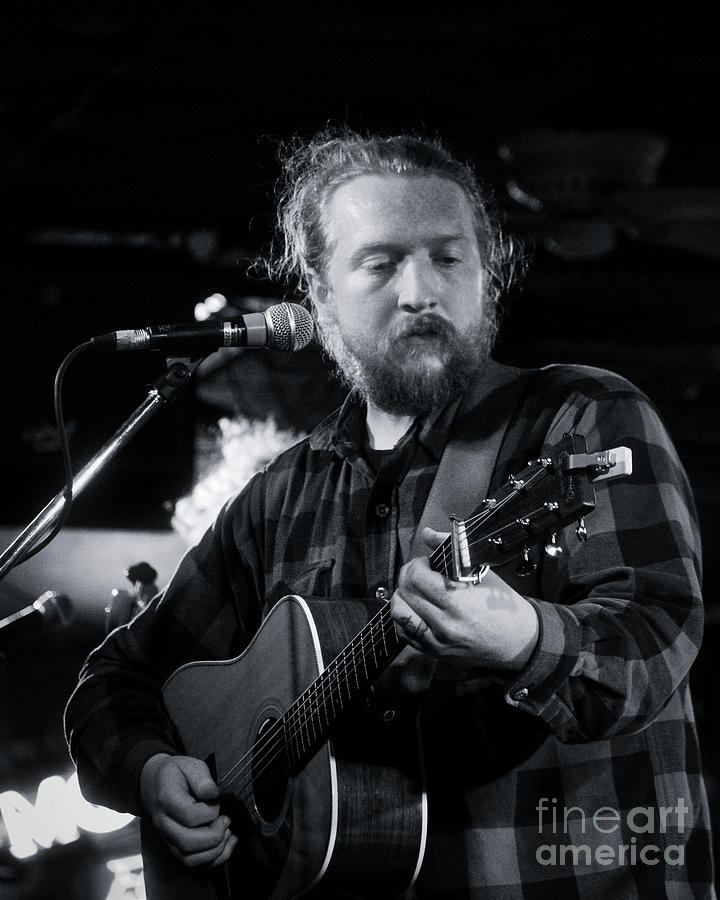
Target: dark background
x: 137, y: 162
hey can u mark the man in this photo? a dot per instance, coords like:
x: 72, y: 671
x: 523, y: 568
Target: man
x: 560, y: 749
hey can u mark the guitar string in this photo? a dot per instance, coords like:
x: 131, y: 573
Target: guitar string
x: 300, y: 715
x: 307, y: 709
x: 473, y: 523
x: 313, y: 697
x: 314, y: 700
x: 272, y: 742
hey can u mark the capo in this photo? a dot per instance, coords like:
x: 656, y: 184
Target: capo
x: 461, y: 567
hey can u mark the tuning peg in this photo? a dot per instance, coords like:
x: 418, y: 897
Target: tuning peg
x: 527, y: 565
x: 581, y: 531
x: 552, y: 548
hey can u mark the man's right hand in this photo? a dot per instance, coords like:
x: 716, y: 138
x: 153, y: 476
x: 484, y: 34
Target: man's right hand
x: 181, y: 798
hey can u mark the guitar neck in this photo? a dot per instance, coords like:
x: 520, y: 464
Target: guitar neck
x: 549, y: 493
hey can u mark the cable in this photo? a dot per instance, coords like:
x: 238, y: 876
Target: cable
x: 64, y: 450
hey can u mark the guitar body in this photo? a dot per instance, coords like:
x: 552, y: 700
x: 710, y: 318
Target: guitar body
x: 350, y: 821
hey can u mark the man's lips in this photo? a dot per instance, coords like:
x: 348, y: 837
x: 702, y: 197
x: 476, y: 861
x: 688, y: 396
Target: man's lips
x: 426, y: 328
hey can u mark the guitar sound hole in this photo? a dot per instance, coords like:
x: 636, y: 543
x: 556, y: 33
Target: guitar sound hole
x: 269, y: 773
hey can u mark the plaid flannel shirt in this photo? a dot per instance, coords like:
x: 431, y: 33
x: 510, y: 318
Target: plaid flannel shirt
x: 577, y: 777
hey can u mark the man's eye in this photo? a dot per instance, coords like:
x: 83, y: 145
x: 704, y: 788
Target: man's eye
x: 378, y: 265
x: 448, y: 260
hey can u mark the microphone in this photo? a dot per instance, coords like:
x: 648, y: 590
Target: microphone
x: 49, y: 609
x: 286, y: 327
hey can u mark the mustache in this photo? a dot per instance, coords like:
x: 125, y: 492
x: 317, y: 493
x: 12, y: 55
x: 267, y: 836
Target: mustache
x: 424, y: 324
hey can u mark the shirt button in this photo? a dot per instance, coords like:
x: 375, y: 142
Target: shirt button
x: 522, y: 694
x: 382, y: 510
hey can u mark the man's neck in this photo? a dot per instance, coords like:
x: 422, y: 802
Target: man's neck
x: 385, y: 429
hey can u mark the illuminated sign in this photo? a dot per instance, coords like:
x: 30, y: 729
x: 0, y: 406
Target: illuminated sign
x: 128, y: 883
x: 59, y: 811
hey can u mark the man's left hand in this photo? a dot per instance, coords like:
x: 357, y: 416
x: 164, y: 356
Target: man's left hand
x: 461, y: 624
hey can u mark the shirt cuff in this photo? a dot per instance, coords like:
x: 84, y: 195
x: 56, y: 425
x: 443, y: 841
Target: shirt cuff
x: 551, y: 662
x: 133, y: 763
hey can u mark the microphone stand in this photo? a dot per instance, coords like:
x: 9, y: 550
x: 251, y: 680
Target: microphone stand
x: 159, y: 396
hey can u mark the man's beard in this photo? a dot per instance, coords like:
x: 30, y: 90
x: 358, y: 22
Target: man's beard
x: 402, y: 376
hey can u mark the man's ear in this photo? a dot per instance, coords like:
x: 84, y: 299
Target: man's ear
x: 317, y: 288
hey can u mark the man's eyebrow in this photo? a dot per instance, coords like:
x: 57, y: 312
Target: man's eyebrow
x: 389, y: 246
x: 374, y: 247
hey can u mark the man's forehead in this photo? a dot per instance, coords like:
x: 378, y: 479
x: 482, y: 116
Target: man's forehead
x: 372, y: 203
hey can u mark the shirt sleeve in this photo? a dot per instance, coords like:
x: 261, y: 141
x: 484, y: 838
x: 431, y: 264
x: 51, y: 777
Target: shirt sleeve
x: 621, y: 614
x: 115, y: 719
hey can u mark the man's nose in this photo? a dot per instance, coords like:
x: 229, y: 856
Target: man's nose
x: 418, y: 285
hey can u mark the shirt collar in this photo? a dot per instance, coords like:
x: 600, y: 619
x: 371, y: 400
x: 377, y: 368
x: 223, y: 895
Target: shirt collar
x: 342, y: 431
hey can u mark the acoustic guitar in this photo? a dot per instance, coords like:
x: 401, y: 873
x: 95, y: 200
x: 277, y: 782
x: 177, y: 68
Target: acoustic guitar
x: 325, y: 787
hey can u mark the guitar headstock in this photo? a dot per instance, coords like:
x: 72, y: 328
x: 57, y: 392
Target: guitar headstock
x: 546, y: 495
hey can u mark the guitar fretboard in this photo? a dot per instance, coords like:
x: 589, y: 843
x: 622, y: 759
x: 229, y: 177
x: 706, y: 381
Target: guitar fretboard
x: 343, y: 682
x: 346, y: 679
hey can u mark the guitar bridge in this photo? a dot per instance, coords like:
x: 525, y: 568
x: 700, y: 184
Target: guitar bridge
x: 461, y: 567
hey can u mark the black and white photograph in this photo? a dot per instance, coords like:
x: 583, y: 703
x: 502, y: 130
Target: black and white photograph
x: 360, y: 423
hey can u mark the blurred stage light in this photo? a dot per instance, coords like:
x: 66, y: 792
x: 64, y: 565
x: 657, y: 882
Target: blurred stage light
x: 58, y: 812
